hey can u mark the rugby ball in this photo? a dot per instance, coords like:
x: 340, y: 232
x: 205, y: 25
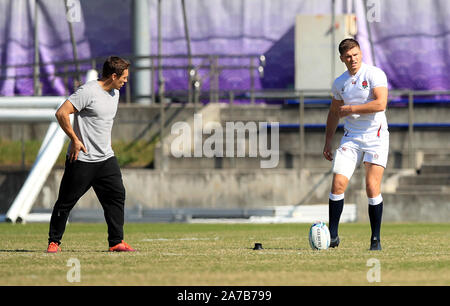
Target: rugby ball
x: 319, y: 236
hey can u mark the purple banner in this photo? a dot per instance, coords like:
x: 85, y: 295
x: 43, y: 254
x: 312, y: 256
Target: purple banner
x: 410, y: 39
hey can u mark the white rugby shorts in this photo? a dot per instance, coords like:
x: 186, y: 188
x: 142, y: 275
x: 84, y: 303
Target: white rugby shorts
x: 353, y: 150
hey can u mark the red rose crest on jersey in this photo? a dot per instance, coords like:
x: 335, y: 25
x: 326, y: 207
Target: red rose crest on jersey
x: 365, y: 85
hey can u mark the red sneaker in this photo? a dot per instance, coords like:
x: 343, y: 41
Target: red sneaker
x: 122, y: 247
x: 53, y: 247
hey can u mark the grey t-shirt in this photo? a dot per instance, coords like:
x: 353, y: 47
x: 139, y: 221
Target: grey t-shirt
x: 94, y: 120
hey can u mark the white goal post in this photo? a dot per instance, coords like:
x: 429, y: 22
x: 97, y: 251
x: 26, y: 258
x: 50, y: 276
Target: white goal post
x: 34, y: 109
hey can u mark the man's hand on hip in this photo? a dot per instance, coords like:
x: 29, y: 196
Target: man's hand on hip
x: 77, y: 146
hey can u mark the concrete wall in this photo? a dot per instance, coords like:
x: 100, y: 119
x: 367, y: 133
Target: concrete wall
x: 206, y: 188
x: 229, y: 189
x: 202, y: 188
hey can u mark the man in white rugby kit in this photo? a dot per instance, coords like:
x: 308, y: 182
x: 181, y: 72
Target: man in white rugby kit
x: 360, y: 97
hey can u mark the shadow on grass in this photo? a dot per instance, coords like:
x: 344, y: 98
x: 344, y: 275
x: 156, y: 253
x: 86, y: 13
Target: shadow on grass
x: 277, y: 249
x: 18, y: 251
x: 62, y: 252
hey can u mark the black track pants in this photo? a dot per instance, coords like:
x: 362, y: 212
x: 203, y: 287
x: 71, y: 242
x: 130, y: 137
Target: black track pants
x: 106, y: 179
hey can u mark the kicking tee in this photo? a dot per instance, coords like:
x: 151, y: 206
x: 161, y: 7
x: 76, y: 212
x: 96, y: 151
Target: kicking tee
x: 358, y: 89
x: 94, y: 120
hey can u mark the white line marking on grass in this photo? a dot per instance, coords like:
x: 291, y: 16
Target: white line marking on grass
x: 171, y: 254
x: 179, y: 239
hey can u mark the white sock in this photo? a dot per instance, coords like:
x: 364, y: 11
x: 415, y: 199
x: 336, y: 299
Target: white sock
x: 375, y: 201
x: 336, y: 197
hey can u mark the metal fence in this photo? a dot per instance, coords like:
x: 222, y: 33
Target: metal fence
x: 73, y: 73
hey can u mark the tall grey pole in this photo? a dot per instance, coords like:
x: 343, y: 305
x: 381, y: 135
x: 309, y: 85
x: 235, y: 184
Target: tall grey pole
x: 369, y: 33
x: 333, y: 40
x: 191, y: 73
x: 161, y: 89
x: 160, y: 74
x: 36, y: 82
x: 74, y: 47
x: 142, y: 78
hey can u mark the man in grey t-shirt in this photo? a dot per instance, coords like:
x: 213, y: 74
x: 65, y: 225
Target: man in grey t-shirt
x: 93, y: 121
x: 90, y: 159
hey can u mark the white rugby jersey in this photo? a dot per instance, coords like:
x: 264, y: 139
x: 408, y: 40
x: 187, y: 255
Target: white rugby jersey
x: 358, y: 89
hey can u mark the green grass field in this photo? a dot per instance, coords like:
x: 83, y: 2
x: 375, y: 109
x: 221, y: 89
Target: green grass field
x: 222, y: 255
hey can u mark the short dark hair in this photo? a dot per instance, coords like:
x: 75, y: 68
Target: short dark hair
x: 114, y: 64
x: 347, y: 44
